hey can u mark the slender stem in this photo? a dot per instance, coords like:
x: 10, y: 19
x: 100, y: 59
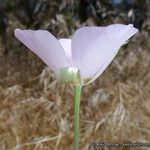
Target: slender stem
x: 76, y: 116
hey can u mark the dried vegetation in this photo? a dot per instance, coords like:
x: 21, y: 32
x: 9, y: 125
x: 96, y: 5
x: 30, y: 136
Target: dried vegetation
x: 36, y: 112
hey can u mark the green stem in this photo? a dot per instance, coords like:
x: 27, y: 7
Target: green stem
x: 76, y: 116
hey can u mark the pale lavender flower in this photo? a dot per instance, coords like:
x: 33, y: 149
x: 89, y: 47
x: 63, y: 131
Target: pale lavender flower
x: 88, y: 52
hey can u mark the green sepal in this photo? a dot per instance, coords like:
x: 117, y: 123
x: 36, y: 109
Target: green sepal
x: 69, y: 75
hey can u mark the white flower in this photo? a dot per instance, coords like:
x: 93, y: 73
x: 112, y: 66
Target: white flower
x: 84, y: 57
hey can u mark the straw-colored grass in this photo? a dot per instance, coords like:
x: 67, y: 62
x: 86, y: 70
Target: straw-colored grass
x: 36, y: 112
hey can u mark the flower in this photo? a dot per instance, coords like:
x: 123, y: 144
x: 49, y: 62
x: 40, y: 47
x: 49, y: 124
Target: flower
x: 82, y: 58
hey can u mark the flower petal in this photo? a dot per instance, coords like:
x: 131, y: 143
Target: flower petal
x: 66, y: 44
x: 45, y: 45
x: 93, y: 48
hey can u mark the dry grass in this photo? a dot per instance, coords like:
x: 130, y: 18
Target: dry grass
x: 36, y: 112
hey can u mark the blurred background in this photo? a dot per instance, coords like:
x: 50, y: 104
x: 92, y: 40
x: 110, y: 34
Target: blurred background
x: 36, y: 112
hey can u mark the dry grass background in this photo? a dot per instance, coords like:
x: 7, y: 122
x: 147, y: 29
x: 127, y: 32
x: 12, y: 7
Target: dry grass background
x: 36, y: 112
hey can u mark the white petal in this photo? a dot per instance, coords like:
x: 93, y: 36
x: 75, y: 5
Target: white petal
x: 66, y: 44
x: 93, y: 48
x: 45, y: 45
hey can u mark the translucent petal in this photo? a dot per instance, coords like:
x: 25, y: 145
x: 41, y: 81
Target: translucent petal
x: 66, y: 44
x: 93, y: 48
x: 45, y: 45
